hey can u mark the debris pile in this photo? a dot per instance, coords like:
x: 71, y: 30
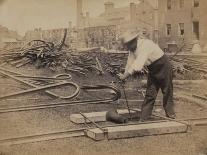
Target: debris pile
x: 38, y: 52
x: 189, y: 68
x: 82, y: 63
x: 46, y: 54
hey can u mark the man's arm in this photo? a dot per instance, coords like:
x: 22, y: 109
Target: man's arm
x: 139, y: 62
x: 136, y: 65
x: 130, y: 61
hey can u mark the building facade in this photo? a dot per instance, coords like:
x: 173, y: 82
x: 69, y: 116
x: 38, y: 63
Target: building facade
x: 104, y: 36
x: 9, y: 38
x: 182, y: 21
x: 135, y: 16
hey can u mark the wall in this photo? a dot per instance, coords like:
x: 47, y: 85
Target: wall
x: 100, y: 36
x: 185, y: 15
x: 203, y: 23
x: 144, y: 18
x: 174, y: 16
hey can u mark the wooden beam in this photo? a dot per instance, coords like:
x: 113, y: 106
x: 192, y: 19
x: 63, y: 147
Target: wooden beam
x: 138, y: 130
x: 99, y: 116
x: 182, y: 82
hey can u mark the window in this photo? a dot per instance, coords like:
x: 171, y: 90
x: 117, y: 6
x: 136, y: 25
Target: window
x: 196, y: 29
x: 169, y: 4
x: 182, y: 3
x: 196, y: 3
x: 181, y: 29
x: 168, y: 29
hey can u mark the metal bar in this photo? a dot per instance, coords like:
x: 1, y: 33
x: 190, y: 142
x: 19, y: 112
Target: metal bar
x: 126, y: 100
x: 57, y: 77
x: 53, y: 105
x: 200, y: 97
x: 44, y: 137
x: 63, y: 104
x: 98, y: 126
x: 24, y: 82
x: 32, y: 85
x: 99, y: 66
x: 34, y: 90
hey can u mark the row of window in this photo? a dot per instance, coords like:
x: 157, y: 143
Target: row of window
x: 181, y: 4
x: 181, y: 29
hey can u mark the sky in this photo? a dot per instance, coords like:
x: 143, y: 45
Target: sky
x: 24, y: 15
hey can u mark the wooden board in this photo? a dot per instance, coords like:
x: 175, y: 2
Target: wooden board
x: 98, y: 116
x: 138, y: 130
x: 181, y: 82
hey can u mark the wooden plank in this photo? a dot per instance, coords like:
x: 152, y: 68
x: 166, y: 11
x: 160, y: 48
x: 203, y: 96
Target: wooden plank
x: 98, y: 116
x: 182, y: 82
x: 123, y: 101
x: 138, y: 130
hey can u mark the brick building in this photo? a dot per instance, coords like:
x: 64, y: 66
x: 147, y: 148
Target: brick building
x: 110, y: 16
x: 182, y: 21
x: 136, y: 15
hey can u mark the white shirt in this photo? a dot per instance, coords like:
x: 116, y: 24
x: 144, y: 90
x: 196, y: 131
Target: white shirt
x: 146, y: 53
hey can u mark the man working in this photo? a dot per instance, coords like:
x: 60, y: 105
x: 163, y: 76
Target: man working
x: 144, y: 52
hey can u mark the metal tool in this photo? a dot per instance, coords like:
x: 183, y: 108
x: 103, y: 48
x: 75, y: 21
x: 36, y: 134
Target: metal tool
x: 122, y: 85
x: 100, y: 87
x: 116, y: 96
x: 42, y: 88
x: 104, y: 130
x: 57, y: 77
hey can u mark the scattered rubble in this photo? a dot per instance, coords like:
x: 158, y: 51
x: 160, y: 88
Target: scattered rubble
x: 46, y: 54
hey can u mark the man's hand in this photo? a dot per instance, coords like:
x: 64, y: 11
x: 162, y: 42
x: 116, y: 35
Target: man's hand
x: 123, y: 76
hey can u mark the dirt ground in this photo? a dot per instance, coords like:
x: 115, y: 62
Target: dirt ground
x: 16, y: 124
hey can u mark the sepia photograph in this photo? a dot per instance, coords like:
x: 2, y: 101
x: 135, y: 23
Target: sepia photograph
x: 103, y: 77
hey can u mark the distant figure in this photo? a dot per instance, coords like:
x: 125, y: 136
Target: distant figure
x: 196, y: 47
x: 144, y: 52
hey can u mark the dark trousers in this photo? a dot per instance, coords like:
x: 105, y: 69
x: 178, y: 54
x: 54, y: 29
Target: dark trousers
x: 160, y: 77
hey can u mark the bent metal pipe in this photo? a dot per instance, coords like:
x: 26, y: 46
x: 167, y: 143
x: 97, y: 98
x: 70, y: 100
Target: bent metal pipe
x: 37, y: 89
x: 115, y: 97
x: 57, y: 77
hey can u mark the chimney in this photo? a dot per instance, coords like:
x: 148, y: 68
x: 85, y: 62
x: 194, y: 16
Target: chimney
x: 69, y: 24
x: 132, y: 12
x: 87, y: 14
x: 109, y: 6
x: 79, y: 13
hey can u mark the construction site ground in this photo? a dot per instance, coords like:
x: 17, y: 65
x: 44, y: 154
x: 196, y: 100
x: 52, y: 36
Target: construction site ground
x: 17, y: 124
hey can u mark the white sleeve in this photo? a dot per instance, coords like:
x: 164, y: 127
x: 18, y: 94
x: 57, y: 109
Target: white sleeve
x: 130, y: 61
x: 139, y: 62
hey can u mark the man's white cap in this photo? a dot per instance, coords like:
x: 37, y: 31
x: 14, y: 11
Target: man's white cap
x: 129, y: 36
